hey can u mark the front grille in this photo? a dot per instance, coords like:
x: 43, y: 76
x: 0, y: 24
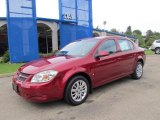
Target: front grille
x: 22, y: 76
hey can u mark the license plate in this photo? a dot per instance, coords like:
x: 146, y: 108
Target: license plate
x: 15, y: 87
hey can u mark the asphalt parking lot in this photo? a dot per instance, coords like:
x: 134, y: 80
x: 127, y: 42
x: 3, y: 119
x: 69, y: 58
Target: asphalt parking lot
x: 125, y: 99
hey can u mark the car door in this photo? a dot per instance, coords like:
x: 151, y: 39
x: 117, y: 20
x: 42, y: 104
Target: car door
x: 106, y: 68
x: 126, y: 56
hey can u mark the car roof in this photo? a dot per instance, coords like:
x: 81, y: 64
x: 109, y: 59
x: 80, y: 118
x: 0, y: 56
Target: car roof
x: 105, y: 37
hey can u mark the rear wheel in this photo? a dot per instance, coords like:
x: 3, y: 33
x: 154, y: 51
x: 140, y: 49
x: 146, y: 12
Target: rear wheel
x: 77, y: 90
x: 138, y: 72
x: 157, y: 51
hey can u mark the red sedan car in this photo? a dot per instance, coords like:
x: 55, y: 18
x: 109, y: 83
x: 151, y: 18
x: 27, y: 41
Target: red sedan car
x: 79, y: 67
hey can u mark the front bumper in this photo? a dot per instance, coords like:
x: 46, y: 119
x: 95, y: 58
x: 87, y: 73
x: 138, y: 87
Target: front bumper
x: 37, y: 92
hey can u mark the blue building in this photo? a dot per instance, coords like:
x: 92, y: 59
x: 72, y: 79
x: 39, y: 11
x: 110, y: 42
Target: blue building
x: 29, y: 35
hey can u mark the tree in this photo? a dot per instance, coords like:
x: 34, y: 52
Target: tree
x: 149, y: 33
x: 128, y: 31
x: 138, y: 35
x: 142, y: 42
x: 114, y: 30
x: 157, y: 34
x: 137, y: 32
x: 151, y: 36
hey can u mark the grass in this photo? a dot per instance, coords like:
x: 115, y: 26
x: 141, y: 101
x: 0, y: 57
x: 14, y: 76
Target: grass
x: 149, y: 52
x: 9, y: 68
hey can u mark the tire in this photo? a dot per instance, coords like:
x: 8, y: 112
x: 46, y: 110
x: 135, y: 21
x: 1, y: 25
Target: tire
x: 77, y: 90
x: 138, y: 72
x: 157, y: 51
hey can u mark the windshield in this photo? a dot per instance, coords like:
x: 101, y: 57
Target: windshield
x: 78, y: 48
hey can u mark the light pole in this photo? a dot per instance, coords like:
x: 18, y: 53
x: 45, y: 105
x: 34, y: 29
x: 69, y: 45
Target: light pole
x: 104, y: 23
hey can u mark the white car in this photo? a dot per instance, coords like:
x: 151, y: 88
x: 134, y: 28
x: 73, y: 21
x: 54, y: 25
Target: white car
x: 156, y: 46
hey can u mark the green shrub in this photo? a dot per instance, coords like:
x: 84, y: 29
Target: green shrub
x: 5, y: 57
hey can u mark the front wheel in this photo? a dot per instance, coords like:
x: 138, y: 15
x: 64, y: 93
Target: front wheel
x: 77, y: 90
x: 138, y: 72
x: 157, y: 51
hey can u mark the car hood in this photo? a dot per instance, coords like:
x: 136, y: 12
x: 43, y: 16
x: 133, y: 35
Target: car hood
x: 51, y: 63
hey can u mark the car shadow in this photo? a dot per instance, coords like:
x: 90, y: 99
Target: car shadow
x: 112, y: 84
x: 52, y: 104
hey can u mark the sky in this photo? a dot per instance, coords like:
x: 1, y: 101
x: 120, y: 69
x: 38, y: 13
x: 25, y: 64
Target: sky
x: 119, y: 14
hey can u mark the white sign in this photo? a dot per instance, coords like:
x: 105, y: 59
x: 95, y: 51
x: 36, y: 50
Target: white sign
x: 48, y: 8
x: 3, y: 8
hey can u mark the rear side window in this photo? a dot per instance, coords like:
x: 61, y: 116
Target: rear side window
x: 109, y: 46
x: 125, y: 45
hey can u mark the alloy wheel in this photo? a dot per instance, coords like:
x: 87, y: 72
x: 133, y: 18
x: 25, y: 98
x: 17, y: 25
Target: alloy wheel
x: 139, y: 70
x: 79, y: 90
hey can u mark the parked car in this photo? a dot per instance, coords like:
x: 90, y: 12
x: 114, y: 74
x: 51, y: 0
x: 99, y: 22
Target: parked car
x: 76, y: 69
x: 156, y: 46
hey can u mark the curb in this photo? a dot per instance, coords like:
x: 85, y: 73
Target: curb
x: 6, y: 75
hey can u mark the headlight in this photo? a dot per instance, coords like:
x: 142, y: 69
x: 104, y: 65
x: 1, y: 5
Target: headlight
x: 44, y: 76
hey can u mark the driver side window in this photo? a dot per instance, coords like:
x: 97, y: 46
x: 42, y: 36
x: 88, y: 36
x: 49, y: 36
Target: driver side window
x: 108, y: 46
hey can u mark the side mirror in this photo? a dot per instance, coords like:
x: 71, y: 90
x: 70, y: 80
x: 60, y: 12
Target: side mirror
x: 102, y: 54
